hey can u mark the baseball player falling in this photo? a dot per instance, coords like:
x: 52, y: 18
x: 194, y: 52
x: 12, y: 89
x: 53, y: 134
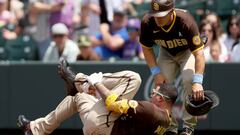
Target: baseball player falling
x: 181, y: 49
x: 112, y: 111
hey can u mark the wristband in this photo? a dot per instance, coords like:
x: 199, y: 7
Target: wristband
x: 197, y: 78
x: 155, y: 70
x: 111, y: 99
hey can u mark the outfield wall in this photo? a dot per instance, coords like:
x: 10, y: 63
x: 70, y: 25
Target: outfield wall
x: 34, y: 89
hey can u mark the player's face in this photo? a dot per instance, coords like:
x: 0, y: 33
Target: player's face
x: 155, y: 99
x: 158, y: 98
x: 163, y: 21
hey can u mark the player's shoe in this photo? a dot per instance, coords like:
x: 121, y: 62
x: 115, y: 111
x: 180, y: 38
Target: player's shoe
x: 64, y: 70
x: 24, y: 124
x: 187, y: 131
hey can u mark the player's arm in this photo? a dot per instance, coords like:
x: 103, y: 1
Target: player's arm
x: 196, y: 46
x: 150, y: 58
x: 199, y: 61
x: 197, y: 87
x: 147, y: 43
x: 112, y: 100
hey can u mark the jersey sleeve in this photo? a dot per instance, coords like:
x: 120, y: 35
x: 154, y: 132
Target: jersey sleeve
x: 145, y: 37
x: 195, y: 42
x: 150, y: 113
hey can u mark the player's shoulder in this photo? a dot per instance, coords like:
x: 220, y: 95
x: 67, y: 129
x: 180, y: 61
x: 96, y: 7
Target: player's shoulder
x: 182, y: 13
x: 184, y: 17
x: 147, y: 19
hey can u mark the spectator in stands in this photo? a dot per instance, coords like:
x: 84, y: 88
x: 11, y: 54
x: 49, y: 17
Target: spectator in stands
x: 90, y: 13
x: 138, y: 8
x: 87, y: 52
x: 234, y: 56
x: 233, y: 31
x: 69, y: 14
x: 216, y: 21
x: 207, y: 28
x: 97, y: 11
x: 110, y: 42
x: 61, y: 46
x: 6, y: 17
x: 38, y: 16
x: 13, y: 31
x: 16, y: 8
x: 215, y: 52
x: 132, y: 49
x: 19, y: 45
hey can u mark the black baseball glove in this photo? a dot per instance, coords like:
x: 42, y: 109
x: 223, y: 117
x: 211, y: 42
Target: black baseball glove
x: 68, y: 76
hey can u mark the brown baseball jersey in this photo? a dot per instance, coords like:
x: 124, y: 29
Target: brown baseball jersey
x: 146, y: 119
x: 180, y: 35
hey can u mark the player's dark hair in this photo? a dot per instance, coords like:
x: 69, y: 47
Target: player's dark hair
x: 169, y: 90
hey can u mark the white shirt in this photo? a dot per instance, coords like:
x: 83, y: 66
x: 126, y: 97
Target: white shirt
x: 229, y: 41
x: 70, y: 52
x: 235, y: 54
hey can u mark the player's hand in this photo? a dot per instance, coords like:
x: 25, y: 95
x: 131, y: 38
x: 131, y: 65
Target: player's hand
x: 95, y: 78
x: 197, y: 91
x: 159, y: 79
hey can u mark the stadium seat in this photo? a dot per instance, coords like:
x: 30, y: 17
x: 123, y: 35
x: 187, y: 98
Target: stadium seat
x: 22, y: 48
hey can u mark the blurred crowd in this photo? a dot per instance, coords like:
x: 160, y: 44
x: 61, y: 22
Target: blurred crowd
x: 98, y: 30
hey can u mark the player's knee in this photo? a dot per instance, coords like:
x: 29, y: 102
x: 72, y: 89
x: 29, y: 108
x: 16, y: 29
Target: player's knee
x: 135, y: 77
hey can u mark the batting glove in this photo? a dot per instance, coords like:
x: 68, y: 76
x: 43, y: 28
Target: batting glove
x: 95, y: 78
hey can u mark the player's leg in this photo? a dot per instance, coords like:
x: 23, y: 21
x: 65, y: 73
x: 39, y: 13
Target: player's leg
x: 93, y: 114
x: 47, y: 124
x: 124, y: 83
x: 187, y: 66
x: 169, y: 68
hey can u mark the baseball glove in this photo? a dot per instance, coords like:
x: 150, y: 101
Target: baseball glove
x: 68, y: 76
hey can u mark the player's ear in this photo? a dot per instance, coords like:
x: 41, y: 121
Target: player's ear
x: 160, y: 99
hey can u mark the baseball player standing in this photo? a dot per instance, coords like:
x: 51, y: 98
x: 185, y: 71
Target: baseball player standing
x: 181, y: 49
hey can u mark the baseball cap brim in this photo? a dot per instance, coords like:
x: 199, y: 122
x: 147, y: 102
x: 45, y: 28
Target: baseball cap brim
x: 213, y: 96
x: 160, y: 14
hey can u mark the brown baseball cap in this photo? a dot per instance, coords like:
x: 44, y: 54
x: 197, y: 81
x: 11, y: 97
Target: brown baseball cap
x: 160, y: 8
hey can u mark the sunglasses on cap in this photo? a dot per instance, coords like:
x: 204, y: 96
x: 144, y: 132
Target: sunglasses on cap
x: 160, y: 94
